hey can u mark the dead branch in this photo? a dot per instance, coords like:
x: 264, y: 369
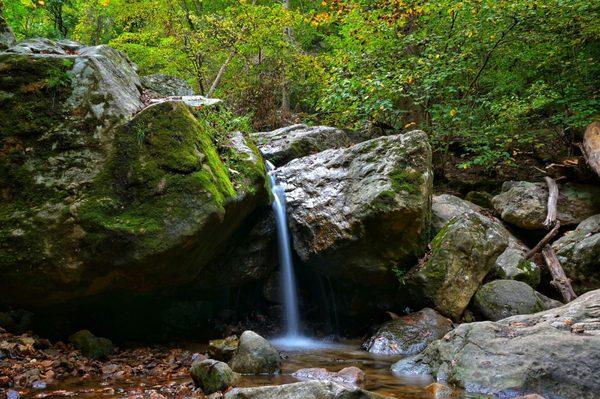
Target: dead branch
x: 544, y: 241
x: 552, y: 202
x: 559, y: 279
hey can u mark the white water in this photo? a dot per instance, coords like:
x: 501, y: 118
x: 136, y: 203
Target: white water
x: 292, y: 337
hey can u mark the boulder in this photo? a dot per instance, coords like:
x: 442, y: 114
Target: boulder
x: 480, y: 198
x: 462, y: 255
x: 302, y: 390
x: 408, y: 335
x: 161, y: 85
x: 555, y: 353
x: 96, y: 200
x: 223, y: 349
x: 524, y: 204
x: 348, y: 376
x: 512, y: 263
x: 357, y: 213
x: 282, y: 145
x: 91, y: 346
x: 500, y: 299
x: 7, y: 37
x: 579, y: 254
x: 212, y: 376
x: 255, y: 355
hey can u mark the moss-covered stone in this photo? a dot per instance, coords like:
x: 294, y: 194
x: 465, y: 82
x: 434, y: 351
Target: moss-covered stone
x: 212, y: 376
x: 91, y: 346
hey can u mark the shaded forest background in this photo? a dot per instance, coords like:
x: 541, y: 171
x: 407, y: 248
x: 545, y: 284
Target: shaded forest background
x: 489, y: 81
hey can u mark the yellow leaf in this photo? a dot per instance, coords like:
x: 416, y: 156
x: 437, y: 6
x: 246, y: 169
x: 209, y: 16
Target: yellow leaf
x: 453, y: 112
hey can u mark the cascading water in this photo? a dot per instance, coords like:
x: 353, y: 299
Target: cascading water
x: 292, y: 338
x: 288, y: 281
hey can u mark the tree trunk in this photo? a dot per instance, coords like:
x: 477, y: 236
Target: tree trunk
x: 591, y: 146
x: 220, y: 74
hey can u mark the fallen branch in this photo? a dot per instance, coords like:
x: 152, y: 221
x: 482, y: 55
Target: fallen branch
x: 552, y: 202
x: 559, y: 279
x: 544, y: 241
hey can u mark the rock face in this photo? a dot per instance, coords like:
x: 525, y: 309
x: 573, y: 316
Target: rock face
x: 579, y: 255
x: 500, y: 299
x: 91, y: 204
x: 512, y: 263
x: 255, y: 355
x: 91, y: 346
x: 282, y: 145
x: 212, y: 376
x: 161, y: 85
x: 408, y: 335
x: 462, y: 254
x: 7, y: 37
x: 357, y: 213
x: 524, y: 204
x: 302, y: 390
x: 555, y: 353
x: 348, y: 376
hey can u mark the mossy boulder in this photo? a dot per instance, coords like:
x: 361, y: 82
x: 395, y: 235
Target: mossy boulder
x: 579, y: 254
x: 357, y: 214
x: 524, y: 204
x: 223, y: 349
x: 462, y: 255
x: 500, y: 299
x: 212, y: 376
x: 408, y: 335
x: 96, y: 200
x: 91, y: 346
x: 7, y: 37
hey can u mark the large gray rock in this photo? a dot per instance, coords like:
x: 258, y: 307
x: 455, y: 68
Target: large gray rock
x: 512, y: 263
x: 212, y: 376
x: 98, y: 196
x: 357, y: 213
x: 302, y: 390
x: 500, y: 299
x: 349, y: 376
x: 408, y: 335
x: 555, y: 353
x: 161, y: 85
x: 462, y: 255
x: 7, y: 37
x: 282, y: 145
x: 255, y: 355
x: 579, y: 254
x: 524, y: 204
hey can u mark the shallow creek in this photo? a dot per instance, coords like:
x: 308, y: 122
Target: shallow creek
x: 379, y: 377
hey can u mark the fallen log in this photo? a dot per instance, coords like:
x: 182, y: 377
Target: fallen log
x: 559, y: 279
x: 544, y: 241
x: 591, y: 146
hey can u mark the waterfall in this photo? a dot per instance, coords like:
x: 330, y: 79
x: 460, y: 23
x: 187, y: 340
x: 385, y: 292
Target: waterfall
x: 288, y: 281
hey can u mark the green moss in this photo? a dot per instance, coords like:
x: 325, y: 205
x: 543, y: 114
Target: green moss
x: 404, y: 180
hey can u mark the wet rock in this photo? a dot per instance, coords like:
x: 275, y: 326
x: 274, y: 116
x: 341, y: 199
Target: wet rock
x: 91, y: 346
x: 16, y: 321
x: 355, y: 214
x: 255, y: 355
x: 500, y: 299
x: 579, y: 254
x: 512, y: 263
x: 223, y: 349
x: 12, y: 394
x: 440, y: 391
x: 161, y: 85
x: 462, y: 254
x: 524, y: 204
x: 212, y: 376
x: 282, y: 145
x: 554, y: 353
x: 410, y: 334
x: 348, y: 376
x: 302, y: 390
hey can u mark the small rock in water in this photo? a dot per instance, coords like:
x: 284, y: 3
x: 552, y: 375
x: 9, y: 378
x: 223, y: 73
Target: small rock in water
x: 255, y: 355
x: 348, y: 376
x: 212, y: 376
x: 440, y: 391
x: 12, y: 394
x: 38, y: 384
